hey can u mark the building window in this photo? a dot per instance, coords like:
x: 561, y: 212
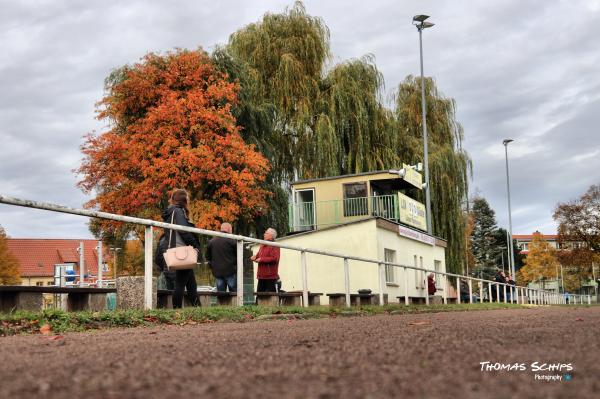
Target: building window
x: 39, y: 283
x: 355, y: 199
x: 50, y: 283
x: 390, y: 271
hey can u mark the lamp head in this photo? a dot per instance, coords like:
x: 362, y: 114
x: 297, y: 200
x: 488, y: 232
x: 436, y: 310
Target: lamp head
x: 420, y: 18
x: 506, y: 141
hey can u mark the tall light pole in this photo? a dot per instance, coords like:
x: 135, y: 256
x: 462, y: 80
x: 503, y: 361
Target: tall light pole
x: 510, y: 245
x: 419, y: 22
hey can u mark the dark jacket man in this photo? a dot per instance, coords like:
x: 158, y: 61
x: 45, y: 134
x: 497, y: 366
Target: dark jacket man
x: 221, y: 255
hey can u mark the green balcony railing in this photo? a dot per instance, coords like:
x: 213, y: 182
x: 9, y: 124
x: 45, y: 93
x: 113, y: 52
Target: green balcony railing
x: 312, y: 215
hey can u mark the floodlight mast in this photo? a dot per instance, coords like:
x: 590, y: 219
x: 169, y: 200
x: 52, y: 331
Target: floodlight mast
x: 419, y: 22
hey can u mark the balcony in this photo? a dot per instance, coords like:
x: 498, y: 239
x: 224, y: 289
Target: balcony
x: 316, y: 215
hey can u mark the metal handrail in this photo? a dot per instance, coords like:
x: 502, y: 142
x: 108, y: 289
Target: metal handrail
x: 240, y: 239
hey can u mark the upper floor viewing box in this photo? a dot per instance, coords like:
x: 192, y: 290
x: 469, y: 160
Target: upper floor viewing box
x: 320, y: 203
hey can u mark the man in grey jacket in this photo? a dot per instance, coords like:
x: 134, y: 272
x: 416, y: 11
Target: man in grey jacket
x: 221, y: 254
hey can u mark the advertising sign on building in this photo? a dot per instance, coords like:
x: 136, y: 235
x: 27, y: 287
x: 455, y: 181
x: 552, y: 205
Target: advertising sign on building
x: 412, y: 212
x: 412, y: 176
x: 415, y: 235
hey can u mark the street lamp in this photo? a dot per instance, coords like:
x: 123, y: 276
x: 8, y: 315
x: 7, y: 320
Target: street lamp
x: 511, y: 253
x: 420, y: 23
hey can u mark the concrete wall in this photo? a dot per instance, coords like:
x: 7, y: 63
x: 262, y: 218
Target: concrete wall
x: 362, y: 239
x: 406, y: 249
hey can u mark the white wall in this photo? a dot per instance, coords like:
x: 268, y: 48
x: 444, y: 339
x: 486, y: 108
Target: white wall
x: 364, y: 239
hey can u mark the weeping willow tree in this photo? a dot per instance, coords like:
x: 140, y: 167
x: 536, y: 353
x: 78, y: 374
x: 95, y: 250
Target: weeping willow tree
x: 314, y: 120
x: 449, y: 164
x: 284, y: 55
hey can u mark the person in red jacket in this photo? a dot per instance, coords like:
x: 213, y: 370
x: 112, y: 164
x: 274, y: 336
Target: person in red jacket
x: 431, y: 289
x: 267, y: 258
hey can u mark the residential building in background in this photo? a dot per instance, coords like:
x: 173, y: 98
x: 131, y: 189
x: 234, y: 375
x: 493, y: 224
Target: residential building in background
x: 38, y: 258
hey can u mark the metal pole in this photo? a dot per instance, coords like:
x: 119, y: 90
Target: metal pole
x: 240, y: 272
x: 470, y: 290
x: 458, y: 290
x: 497, y: 293
x: 148, y: 269
x: 445, y: 289
x: 99, y: 279
x: 490, y: 292
x: 510, y: 246
x: 81, y: 264
x: 347, y: 281
x: 381, y: 284
x: 406, y: 302
x: 504, y: 289
x: 304, y: 279
x: 425, y: 146
x: 481, y: 292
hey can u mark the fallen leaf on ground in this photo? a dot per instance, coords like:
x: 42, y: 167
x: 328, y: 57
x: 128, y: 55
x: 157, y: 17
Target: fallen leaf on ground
x: 46, y: 329
x: 54, y: 337
x: 418, y: 323
x: 579, y: 319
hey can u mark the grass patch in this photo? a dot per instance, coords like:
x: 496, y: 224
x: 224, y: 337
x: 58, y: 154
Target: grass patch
x: 57, y: 321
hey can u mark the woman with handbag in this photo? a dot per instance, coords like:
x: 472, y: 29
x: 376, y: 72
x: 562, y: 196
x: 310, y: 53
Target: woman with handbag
x: 177, y: 213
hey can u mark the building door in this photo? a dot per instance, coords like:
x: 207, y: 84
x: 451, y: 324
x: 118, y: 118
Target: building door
x: 304, y: 212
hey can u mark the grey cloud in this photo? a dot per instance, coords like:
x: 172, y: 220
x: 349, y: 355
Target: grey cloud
x: 526, y: 70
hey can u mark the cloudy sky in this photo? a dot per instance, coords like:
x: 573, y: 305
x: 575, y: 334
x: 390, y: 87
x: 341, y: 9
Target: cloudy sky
x: 524, y: 70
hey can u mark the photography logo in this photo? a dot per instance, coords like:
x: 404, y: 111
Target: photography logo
x: 548, y: 372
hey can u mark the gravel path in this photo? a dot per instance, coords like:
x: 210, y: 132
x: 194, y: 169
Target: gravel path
x: 388, y: 356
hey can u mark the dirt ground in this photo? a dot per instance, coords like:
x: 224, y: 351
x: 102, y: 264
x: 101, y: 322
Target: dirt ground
x: 388, y: 356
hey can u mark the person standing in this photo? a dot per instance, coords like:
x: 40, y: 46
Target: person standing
x: 431, y: 288
x: 178, y: 212
x: 221, y: 255
x: 267, y: 258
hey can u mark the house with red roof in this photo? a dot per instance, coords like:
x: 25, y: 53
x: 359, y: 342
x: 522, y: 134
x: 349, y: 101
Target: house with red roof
x: 38, y: 258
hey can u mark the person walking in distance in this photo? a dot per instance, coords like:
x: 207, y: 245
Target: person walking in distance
x: 267, y: 258
x: 221, y: 255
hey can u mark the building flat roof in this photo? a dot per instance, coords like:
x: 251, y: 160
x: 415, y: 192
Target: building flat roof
x: 377, y: 172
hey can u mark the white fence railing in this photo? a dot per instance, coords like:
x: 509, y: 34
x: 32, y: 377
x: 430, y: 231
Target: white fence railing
x: 518, y: 294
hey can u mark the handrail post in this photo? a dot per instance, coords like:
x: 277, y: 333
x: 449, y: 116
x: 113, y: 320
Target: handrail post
x: 426, y: 282
x: 490, y: 292
x: 589, y: 299
x: 406, y: 302
x: 148, y: 300
x: 504, y: 289
x: 240, y: 272
x: 497, y: 293
x: 304, y: 279
x: 470, y: 281
x: 347, y: 281
x: 445, y: 278
x: 514, y: 299
x: 481, y: 292
x: 381, y: 284
x: 458, y: 290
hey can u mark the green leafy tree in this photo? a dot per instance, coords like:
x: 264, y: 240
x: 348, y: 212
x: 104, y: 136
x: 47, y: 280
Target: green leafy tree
x: 484, y: 238
x: 449, y: 164
x: 9, y: 264
x: 311, y: 119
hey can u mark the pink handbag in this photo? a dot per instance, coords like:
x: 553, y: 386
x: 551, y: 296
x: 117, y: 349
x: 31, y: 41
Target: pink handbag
x: 180, y: 258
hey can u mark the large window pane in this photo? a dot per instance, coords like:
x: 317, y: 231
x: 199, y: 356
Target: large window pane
x: 355, y: 199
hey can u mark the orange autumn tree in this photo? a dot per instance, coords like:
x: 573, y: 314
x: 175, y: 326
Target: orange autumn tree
x: 171, y: 126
